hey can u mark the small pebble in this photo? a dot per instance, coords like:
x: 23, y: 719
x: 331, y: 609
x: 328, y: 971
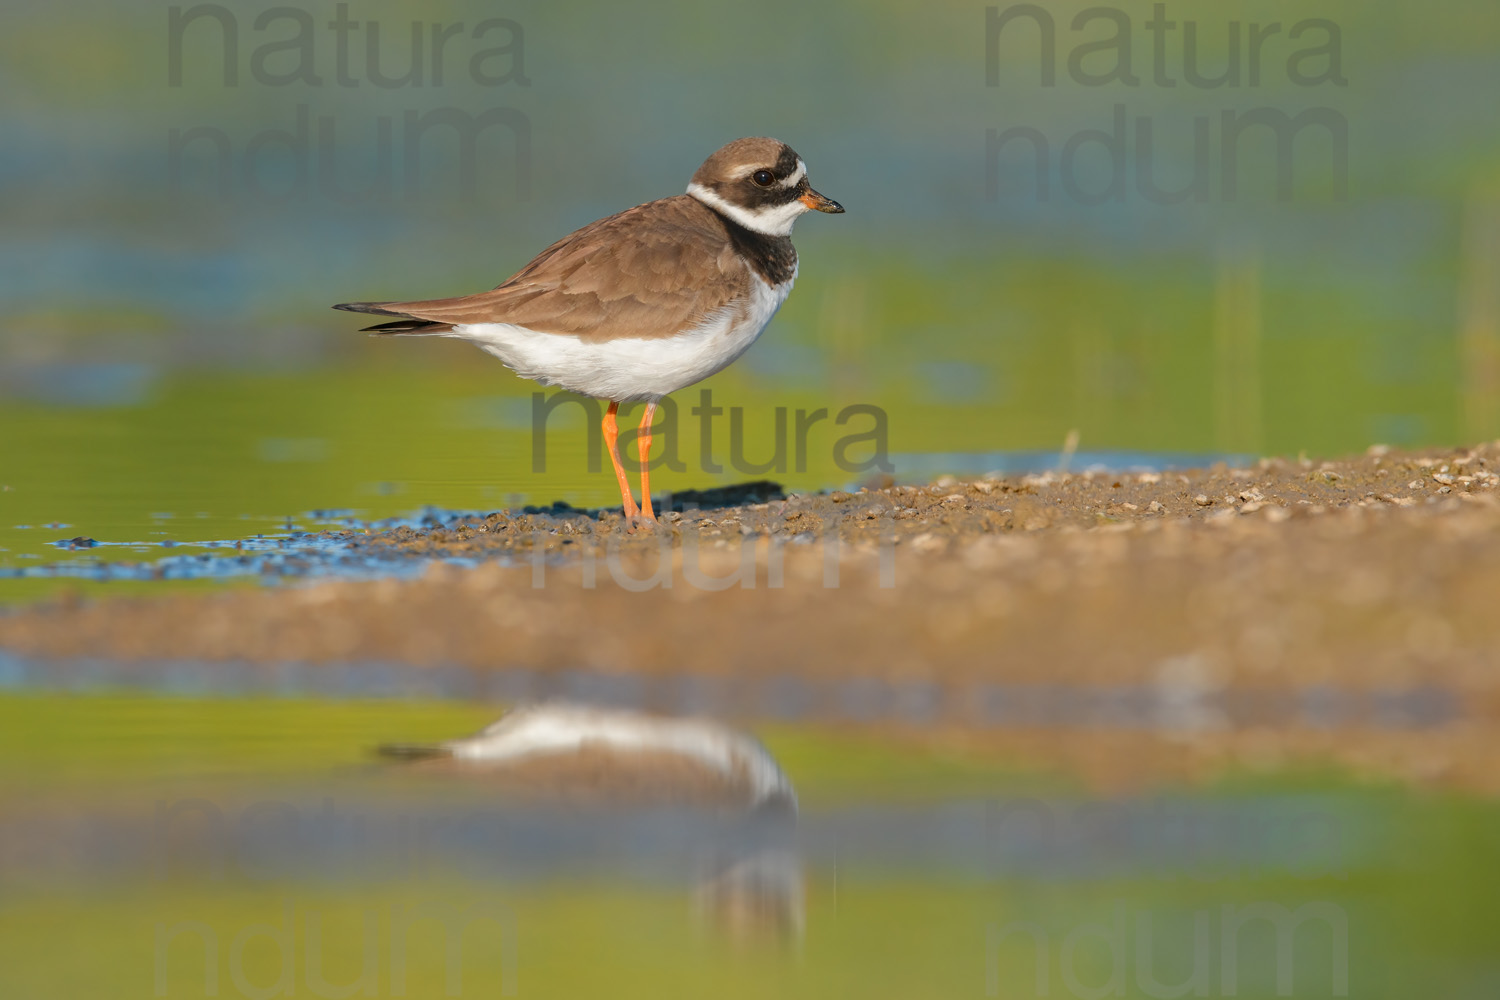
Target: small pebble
x: 1202, y: 500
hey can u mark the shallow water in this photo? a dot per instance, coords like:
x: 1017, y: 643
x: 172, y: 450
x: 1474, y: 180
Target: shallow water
x: 168, y: 346
x: 212, y: 477
x: 175, y: 832
x: 176, y: 396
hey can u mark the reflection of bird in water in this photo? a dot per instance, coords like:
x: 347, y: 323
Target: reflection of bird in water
x: 609, y: 757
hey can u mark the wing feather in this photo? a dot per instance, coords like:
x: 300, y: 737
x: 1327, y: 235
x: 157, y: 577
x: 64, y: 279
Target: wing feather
x: 651, y: 271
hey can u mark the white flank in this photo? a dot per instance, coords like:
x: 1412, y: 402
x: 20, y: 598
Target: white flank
x: 775, y: 220
x: 561, y: 728
x: 632, y: 368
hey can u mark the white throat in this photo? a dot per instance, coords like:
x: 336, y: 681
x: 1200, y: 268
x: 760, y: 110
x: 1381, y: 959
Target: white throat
x: 773, y: 221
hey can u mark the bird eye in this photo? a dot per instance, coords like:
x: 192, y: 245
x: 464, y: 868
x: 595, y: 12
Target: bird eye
x: 763, y: 177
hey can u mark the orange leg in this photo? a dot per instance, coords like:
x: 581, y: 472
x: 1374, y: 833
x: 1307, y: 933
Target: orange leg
x: 611, y: 436
x: 643, y: 444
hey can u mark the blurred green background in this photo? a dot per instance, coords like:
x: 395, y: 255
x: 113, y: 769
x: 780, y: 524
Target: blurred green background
x: 170, y: 372
x: 167, y: 347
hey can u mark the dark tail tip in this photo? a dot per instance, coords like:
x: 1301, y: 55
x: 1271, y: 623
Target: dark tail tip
x: 412, y: 751
x: 378, y: 308
x: 403, y: 323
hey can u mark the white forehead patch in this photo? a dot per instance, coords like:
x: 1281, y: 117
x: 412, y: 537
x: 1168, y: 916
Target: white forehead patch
x: 795, y: 177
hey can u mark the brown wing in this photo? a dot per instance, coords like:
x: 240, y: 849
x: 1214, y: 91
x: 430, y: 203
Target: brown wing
x: 650, y: 271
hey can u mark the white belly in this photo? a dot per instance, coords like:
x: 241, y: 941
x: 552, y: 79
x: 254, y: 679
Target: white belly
x: 633, y: 738
x: 632, y: 368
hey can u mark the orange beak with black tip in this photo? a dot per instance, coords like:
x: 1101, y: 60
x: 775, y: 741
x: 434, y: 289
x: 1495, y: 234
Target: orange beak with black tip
x: 819, y: 203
